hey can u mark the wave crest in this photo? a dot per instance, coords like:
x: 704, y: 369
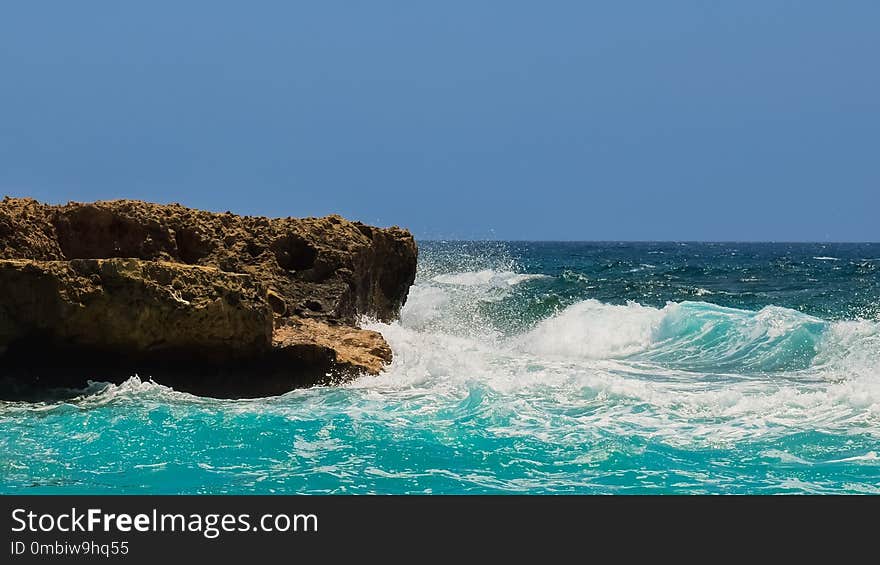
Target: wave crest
x: 691, y: 336
x: 487, y: 277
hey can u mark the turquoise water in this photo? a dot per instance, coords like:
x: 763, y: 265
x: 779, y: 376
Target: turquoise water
x: 529, y: 368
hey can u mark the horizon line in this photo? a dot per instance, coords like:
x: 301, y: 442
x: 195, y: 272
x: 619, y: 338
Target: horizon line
x: 444, y: 240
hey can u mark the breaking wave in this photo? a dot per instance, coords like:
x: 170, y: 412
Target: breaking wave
x: 686, y: 373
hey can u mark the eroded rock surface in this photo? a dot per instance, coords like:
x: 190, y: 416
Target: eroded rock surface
x: 247, y: 305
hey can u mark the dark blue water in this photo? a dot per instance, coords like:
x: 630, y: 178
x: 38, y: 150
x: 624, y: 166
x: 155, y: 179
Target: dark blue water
x: 530, y: 368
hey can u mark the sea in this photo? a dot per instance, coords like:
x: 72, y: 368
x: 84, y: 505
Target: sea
x: 528, y: 368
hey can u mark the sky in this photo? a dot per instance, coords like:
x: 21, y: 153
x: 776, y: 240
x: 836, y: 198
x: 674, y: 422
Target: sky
x: 747, y: 120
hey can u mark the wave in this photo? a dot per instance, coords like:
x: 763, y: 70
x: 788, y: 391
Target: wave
x: 487, y: 277
x: 684, y: 335
x: 690, y: 335
x: 685, y: 372
x: 593, y: 330
x: 97, y: 394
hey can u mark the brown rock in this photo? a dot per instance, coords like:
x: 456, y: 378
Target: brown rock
x: 321, y: 267
x: 133, y: 307
x: 352, y: 349
x: 149, y: 284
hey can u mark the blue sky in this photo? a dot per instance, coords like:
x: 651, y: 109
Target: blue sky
x: 749, y: 120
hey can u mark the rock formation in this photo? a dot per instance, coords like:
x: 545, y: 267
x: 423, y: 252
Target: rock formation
x: 216, y: 304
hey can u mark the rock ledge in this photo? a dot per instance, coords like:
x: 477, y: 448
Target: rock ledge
x: 215, y: 304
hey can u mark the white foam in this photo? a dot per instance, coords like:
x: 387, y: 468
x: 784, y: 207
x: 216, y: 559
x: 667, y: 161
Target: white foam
x: 486, y: 277
x: 580, y: 362
x: 424, y: 305
x: 869, y: 457
x: 850, y: 349
x: 594, y: 330
x: 134, y: 388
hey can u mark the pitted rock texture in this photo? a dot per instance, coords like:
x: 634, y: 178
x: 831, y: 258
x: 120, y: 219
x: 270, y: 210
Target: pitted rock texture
x: 164, y: 284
